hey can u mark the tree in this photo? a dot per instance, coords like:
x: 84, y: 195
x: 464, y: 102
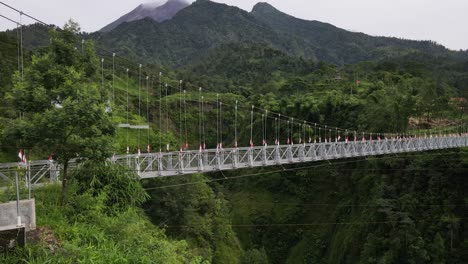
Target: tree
x: 63, y: 105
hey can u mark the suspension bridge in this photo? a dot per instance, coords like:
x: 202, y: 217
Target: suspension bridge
x: 284, y: 139
x: 166, y: 164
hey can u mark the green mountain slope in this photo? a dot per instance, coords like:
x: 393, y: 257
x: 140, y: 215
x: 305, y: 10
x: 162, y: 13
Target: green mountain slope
x: 338, y: 45
x: 205, y: 25
x: 192, y: 32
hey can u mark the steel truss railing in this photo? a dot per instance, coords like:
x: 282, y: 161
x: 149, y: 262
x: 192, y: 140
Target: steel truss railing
x: 188, y: 162
x: 152, y: 165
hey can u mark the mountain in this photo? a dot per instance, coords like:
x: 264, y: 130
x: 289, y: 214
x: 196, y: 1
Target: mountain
x: 205, y: 25
x: 192, y: 32
x: 337, y: 45
x: 159, y: 11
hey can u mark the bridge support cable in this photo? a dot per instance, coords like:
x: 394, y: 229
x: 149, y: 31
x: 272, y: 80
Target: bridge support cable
x: 221, y: 125
x: 276, y: 130
x: 113, y: 78
x: 266, y: 127
x: 180, y: 117
x: 139, y: 106
x: 235, y: 125
x: 263, y: 130
x: 128, y: 147
x: 251, y: 143
x: 186, y: 146
x: 160, y: 113
x: 21, y: 44
x: 102, y: 75
x: 168, y: 145
x: 217, y: 121
x: 200, y: 117
x: 148, y: 146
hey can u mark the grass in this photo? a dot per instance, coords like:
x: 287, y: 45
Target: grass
x: 83, y: 232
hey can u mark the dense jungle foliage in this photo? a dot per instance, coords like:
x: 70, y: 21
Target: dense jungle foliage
x: 408, y: 208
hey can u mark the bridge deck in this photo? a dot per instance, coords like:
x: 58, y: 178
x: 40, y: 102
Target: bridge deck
x: 151, y: 165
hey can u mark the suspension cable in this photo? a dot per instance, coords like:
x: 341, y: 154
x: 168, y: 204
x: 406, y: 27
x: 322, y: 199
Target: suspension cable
x: 102, y: 75
x: 235, y: 127
x: 203, y: 121
x: 168, y: 146
x: 180, y: 117
x: 148, y: 147
x: 315, y: 132
x: 251, y: 127
x: 19, y: 47
x: 263, y: 130
x: 276, y: 130
x: 160, y: 113
x: 139, y: 105
x: 217, y: 121
x: 22, y: 50
x: 221, y: 125
x: 292, y: 131
x: 128, y: 147
x: 304, y: 132
x: 113, y: 78
x: 185, y: 120
x: 200, y: 117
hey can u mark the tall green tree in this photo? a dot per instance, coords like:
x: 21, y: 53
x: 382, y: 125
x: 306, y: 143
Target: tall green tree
x: 62, y: 102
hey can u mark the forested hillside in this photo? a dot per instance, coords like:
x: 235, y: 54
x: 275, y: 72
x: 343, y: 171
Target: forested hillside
x: 205, y: 25
x: 408, y: 208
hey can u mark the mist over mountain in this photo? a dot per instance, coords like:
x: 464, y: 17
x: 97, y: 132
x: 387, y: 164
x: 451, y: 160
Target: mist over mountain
x: 160, y: 10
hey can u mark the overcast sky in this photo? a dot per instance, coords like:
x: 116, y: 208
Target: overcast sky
x: 444, y: 21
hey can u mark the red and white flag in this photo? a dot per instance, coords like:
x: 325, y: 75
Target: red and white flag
x: 20, y: 154
x: 346, y: 139
x: 25, y: 160
x: 310, y: 139
x: 235, y: 144
x: 276, y: 142
x: 251, y: 143
x: 50, y: 158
